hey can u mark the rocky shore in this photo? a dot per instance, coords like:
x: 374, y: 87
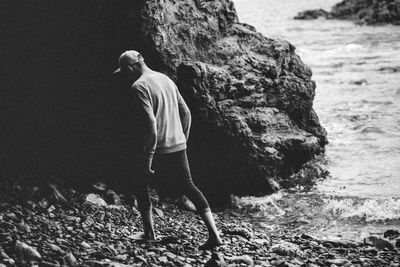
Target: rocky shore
x: 360, y: 11
x: 48, y: 225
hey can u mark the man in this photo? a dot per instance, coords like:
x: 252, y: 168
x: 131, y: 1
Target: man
x: 167, y: 122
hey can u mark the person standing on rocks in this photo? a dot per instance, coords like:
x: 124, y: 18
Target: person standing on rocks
x: 167, y: 121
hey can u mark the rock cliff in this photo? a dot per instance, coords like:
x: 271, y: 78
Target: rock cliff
x: 361, y: 11
x: 250, y: 96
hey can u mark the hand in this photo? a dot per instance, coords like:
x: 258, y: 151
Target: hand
x: 147, y: 160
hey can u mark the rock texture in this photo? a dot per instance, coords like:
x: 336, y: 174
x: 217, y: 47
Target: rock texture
x: 251, y: 96
x: 361, y: 11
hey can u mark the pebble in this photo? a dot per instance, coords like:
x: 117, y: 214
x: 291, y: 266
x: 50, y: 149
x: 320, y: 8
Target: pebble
x: 27, y: 252
x: 286, y: 248
x: 70, y: 259
x: 378, y: 242
x: 338, y: 262
x: 85, y: 245
x: 163, y: 259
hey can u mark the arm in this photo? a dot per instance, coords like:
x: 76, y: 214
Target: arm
x: 184, y: 114
x: 149, y: 127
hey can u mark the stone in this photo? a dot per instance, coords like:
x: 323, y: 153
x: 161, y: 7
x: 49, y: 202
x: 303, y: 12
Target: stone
x: 240, y: 231
x: 338, y: 261
x: 3, y: 254
x: 286, y: 248
x: 397, y: 243
x: 187, y: 204
x: 362, y: 12
x: 158, y: 211
x: 391, y: 234
x: 49, y: 264
x: 163, y: 259
x: 56, y: 248
x: 95, y: 200
x: 85, y: 245
x: 24, y: 251
x: 99, y: 186
x: 217, y: 260
x: 378, y: 242
x: 57, y: 195
x: 312, y: 14
x: 244, y: 259
x: 70, y: 259
x: 113, y: 198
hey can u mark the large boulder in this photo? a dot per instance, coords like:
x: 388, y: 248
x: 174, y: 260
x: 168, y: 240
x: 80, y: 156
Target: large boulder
x: 250, y: 96
x: 361, y: 11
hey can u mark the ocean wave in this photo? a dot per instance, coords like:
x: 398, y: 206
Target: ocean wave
x: 265, y: 204
x: 368, y: 210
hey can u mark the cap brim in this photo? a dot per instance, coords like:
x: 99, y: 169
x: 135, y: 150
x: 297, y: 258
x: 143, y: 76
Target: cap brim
x: 117, y: 71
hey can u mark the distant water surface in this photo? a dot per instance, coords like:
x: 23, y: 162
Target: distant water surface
x: 357, y: 71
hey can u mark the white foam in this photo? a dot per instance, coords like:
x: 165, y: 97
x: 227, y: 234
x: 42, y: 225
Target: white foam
x: 369, y: 210
x: 257, y: 204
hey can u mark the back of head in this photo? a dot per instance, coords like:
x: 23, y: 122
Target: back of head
x: 129, y: 58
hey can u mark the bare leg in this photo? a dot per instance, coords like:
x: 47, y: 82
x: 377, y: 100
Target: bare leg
x: 144, y: 205
x: 214, y: 240
x: 148, y: 226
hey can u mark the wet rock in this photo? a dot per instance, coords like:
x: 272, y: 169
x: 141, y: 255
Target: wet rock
x: 158, y: 211
x: 240, y: 231
x: 56, y: 194
x: 369, y: 12
x: 56, y: 248
x: 94, y: 199
x: 113, y: 198
x: 371, y: 250
x: 338, y: 243
x: 3, y: 254
x: 187, y: 204
x: 49, y: 264
x: 99, y: 186
x: 338, y: 262
x: 312, y: 14
x: 378, y: 242
x: 287, y: 248
x: 70, y: 259
x: 43, y: 203
x: 391, y: 234
x: 24, y: 251
x: 163, y: 259
x: 217, y: 260
x: 85, y: 245
x: 245, y: 259
x: 398, y: 243
x: 362, y: 12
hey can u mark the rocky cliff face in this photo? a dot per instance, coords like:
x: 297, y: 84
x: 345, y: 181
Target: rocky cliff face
x: 361, y: 11
x: 251, y: 96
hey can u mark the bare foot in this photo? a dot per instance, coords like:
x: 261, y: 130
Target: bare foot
x: 211, y: 243
x: 142, y: 237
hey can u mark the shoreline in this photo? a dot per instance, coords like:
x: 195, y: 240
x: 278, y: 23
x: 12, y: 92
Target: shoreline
x: 55, y: 226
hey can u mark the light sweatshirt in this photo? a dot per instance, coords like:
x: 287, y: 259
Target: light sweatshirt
x: 164, y: 105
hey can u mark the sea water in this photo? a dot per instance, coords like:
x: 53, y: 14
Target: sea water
x: 357, y: 72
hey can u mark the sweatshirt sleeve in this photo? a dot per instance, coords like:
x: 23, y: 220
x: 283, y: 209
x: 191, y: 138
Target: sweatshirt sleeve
x: 150, y: 125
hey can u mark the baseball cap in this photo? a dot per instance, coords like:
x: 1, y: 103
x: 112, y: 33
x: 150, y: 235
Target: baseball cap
x: 129, y: 57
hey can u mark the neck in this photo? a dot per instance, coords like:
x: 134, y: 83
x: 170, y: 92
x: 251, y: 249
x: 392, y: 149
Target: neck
x: 145, y: 69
